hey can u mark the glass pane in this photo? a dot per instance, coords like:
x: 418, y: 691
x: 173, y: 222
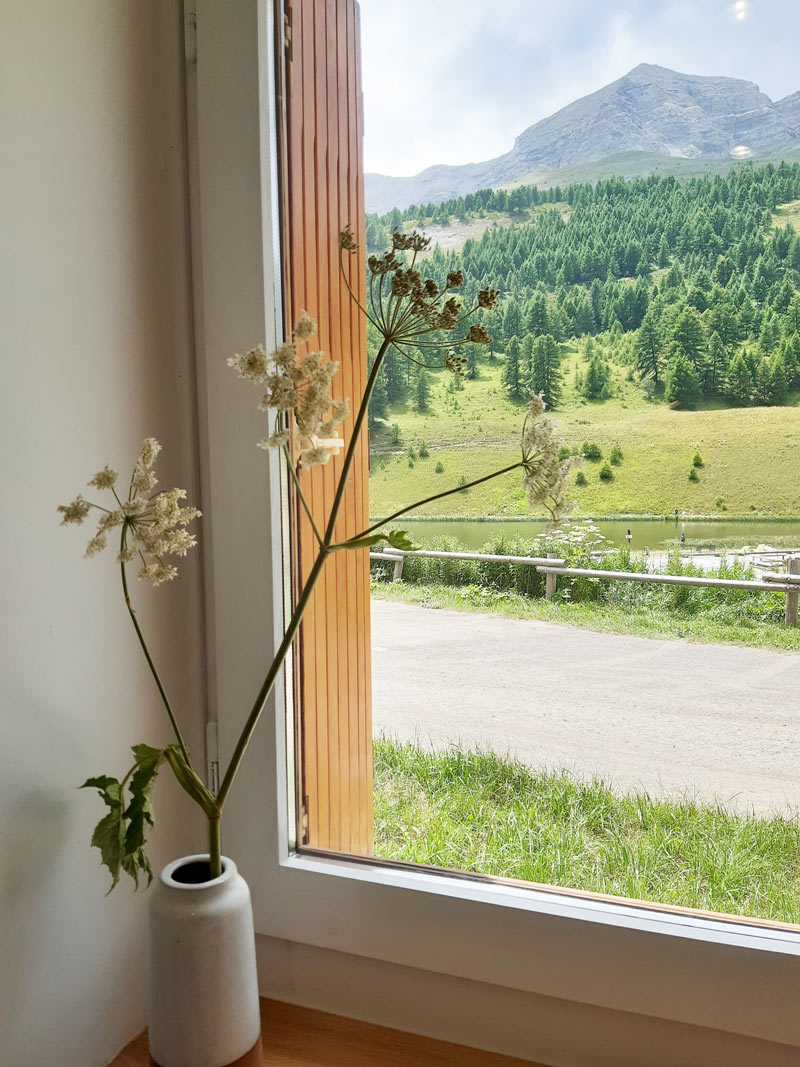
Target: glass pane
x: 631, y: 186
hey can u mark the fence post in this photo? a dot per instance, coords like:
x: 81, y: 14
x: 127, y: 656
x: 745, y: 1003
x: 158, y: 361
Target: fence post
x: 398, y: 569
x: 550, y: 580
x: 792, y: 567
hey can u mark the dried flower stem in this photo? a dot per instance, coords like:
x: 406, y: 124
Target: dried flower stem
x: 147, y: 656
x: 300, y: 494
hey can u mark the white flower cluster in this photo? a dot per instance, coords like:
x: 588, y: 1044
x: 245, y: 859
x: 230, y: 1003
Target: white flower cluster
x: 300, y: 386
x: 152, y: 526
x: 544, y: 475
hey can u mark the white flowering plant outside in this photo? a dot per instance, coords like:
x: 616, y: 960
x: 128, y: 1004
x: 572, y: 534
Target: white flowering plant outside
x: 420, y: 319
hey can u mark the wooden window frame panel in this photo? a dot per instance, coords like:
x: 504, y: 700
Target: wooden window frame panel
x: 732, y: 976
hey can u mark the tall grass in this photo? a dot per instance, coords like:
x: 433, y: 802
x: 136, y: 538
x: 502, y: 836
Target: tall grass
x: 477, y: 811
x: 733, y: 606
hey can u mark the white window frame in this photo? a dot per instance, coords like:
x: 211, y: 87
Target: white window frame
x: 740, y: 977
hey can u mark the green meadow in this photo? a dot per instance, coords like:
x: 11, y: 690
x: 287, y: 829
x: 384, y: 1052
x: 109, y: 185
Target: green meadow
x: 751, y: 455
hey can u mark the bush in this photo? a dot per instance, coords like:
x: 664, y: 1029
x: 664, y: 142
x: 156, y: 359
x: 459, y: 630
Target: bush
x: 581, y: 479
x: 462, y: 481
x: 616, y: 455
x: 395, y: 437
x: 591, y: 451
x: 439, y: 468
x: 423, y: 451
x: 698, y: 460
x: 411, y: 453
x: 564, y: 452
x: 606, y: 473
x: 693, y: 475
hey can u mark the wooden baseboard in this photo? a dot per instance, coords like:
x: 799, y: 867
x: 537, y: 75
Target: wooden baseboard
x: 300, y: 1037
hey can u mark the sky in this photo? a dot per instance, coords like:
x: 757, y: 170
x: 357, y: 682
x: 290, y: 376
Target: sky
x: 455, y: 81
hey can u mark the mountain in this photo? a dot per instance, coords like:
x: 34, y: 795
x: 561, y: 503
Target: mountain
x: 650, y: 110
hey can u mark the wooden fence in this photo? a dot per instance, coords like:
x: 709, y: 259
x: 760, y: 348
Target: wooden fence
x: 554, y: 568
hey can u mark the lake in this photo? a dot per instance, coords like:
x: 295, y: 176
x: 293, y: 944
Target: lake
x: 650, y: 532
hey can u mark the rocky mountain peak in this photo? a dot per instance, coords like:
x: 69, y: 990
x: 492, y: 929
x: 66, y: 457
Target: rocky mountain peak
x: 651, y: 109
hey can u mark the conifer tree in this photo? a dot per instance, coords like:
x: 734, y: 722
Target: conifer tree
x: 680, y: 385
x: 511, y: 375
x: 648, y: 346
x: 512, y: 321
x: 546, y: 370
x: 536, y: 316
x: 472, y: 362
x: 778, y: 383
x: 739, y: 380
x: 422, y: 390
x: 690, y: 337
x: 716, y: 363
x: 526, y: 361
x: 595, y: 378
x: 762, y: 386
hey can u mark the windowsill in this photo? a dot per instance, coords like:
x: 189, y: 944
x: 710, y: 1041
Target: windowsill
x: 300, y: 1037
x: 720, y: 974
x: 650, y: 917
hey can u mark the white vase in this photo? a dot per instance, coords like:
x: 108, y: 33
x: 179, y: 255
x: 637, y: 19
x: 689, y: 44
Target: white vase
x: 204, y: 1008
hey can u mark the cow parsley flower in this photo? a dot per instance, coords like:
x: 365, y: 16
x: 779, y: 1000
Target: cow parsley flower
x: 544, y: 475
x: 75, y: 512
x: 104, y: 479
x: 151, y: 525
x: 298, y: 389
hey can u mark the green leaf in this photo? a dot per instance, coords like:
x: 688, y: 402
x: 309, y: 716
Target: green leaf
x: 120, y: 835
x: 109, y: 834
x: 139, y: 812
x: 396, y: 538
x: 400, y: 539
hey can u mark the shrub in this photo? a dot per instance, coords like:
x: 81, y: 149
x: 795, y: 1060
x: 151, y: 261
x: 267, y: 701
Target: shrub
x: 616, y: 455
x: 693, y: 475
x: 606, y: 473
x: 564, y: 452
x: 591, y: 450
x: 462, y: 481
x: 580, y: 478
x: 698, y: 460
x: 423, y: 451
x: 411, y: 453
x: 395, y: 437
x: 439, y: 468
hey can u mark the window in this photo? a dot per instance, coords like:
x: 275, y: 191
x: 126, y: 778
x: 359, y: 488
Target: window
x: 729, y: 976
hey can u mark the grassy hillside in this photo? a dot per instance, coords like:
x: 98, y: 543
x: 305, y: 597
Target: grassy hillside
x: 640, y: 165
x: 751, y: 455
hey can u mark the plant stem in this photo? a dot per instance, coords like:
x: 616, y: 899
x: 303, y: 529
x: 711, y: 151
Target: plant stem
x: 308, y: 588
x: 149, y: 658
x: 272, y: 674
x: 214, y: 848
x: 429, y: 500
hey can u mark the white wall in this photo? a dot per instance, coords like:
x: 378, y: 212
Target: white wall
x: 95, y: 343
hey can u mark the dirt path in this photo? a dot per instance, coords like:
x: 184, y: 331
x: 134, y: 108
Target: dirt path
x: 672, y: 717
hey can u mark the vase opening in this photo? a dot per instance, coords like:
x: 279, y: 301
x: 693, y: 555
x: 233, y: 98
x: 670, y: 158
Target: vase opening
x: 195, y: 872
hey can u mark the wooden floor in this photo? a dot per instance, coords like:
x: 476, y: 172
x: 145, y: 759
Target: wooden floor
x: 299, y: 1037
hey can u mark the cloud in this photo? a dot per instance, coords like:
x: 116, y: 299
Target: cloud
x: 457, y: 80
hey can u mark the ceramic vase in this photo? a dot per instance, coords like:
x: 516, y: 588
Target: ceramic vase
x: 204, y: 1009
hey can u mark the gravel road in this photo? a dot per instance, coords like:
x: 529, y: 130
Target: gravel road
x: 716, y: 722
